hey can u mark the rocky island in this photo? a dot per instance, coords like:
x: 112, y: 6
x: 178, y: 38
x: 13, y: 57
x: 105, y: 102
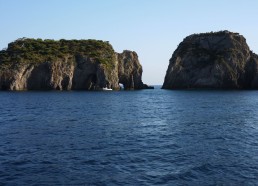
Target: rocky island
x: 36, y: 64
x: 219, y: 60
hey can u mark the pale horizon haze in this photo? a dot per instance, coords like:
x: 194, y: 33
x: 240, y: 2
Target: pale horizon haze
x: 152, y: 28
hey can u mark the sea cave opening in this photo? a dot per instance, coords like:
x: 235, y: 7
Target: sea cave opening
x: 4, y: 87
x: 91, y: 82
x: 121, y: 85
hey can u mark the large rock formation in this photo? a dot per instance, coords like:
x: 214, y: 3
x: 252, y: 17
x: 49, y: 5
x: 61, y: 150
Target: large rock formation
x: 29, y: 64
x: 129, y: 70
x: 220, y: 60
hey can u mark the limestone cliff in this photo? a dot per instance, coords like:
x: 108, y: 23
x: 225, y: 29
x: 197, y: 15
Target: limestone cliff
x: 220, y: 60
x: 130, y: 70
x: 29, y: 64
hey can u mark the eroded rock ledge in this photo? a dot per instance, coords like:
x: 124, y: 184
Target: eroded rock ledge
x: 219, y: 60
x: 30, y: 64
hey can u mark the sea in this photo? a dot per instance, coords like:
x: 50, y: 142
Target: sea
x: 145, y: 137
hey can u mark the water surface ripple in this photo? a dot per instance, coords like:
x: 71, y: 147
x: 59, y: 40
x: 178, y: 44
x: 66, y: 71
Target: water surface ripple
x: 149, y: 137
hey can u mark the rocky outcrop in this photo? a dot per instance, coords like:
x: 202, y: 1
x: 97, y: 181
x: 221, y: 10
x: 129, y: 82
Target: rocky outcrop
x: 130, y: 70
x: 220, y: 60
x: 97, y: 68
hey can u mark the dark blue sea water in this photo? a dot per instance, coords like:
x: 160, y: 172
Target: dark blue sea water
x: 148, y: 137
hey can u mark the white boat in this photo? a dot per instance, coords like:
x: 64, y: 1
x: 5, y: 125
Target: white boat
x: 105, y: 88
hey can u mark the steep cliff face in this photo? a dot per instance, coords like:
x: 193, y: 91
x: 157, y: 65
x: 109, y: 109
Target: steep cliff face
x: 30, y: 64
x: 220, y: 60
x: 130, y: 70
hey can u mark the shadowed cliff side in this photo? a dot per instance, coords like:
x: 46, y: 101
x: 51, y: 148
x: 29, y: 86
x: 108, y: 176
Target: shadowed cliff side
x: 130, y: 70
x: 30, y: 64
x: 219, y: 60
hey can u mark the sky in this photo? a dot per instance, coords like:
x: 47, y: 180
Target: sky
x: 152, y: 28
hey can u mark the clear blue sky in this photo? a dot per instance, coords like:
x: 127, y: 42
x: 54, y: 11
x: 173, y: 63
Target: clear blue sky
x: 152, y: 28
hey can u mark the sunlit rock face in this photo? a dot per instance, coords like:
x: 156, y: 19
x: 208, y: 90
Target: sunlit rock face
x: 29, y: 64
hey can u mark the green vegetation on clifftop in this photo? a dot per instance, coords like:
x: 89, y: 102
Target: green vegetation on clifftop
x: 30, y: 51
